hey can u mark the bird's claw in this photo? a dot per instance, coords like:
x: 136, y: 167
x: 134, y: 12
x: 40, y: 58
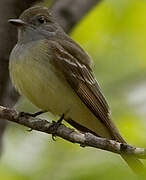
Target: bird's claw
x: 55, y: 126
x: 29, y: 130
x: 22, y: 114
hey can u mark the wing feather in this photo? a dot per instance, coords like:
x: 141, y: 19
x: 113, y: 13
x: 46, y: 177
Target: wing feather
x: 80, y: 77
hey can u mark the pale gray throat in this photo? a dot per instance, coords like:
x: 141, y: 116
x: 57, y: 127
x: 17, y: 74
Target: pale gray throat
x: 30, y: 34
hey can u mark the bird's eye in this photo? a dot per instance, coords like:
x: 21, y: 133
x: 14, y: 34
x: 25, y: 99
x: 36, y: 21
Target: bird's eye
x: 42, y: 20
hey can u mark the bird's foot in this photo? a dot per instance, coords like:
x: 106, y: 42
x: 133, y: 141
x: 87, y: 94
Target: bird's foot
x: 22, y: 114
x: 55, y: 126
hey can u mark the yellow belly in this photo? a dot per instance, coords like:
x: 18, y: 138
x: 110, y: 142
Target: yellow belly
x: 37, y: 80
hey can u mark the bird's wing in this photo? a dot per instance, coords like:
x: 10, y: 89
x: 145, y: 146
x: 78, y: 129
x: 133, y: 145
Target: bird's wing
x: 79, y: 75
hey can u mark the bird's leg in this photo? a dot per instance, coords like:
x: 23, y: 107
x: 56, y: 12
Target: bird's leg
x: 55, y: 126
x: 60, y: 119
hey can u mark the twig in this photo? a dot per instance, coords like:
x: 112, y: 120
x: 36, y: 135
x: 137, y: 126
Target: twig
x: 86, y: 139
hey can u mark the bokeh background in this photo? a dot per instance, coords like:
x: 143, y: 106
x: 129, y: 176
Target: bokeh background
x: 114, y: 35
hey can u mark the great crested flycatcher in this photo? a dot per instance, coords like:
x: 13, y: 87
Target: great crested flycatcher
x: 55, y: 74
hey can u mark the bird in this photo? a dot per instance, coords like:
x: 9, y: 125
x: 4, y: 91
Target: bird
x: 55, y: 74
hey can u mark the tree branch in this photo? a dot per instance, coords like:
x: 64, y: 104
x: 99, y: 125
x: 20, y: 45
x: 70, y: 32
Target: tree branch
x: 86, y: 139
x: 69, y: 12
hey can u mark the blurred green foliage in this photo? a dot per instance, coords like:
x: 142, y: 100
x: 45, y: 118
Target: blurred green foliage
x: 114, y: 34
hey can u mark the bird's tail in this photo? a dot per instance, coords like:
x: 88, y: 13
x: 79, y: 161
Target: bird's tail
x: 134, y: 163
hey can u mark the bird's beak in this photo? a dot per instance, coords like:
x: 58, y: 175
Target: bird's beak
x: 17, y: 22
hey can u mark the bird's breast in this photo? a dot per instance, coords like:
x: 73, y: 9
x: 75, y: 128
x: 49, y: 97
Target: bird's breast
x: 36, y: 78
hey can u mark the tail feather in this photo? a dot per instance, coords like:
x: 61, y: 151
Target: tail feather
x: 134, y: 163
